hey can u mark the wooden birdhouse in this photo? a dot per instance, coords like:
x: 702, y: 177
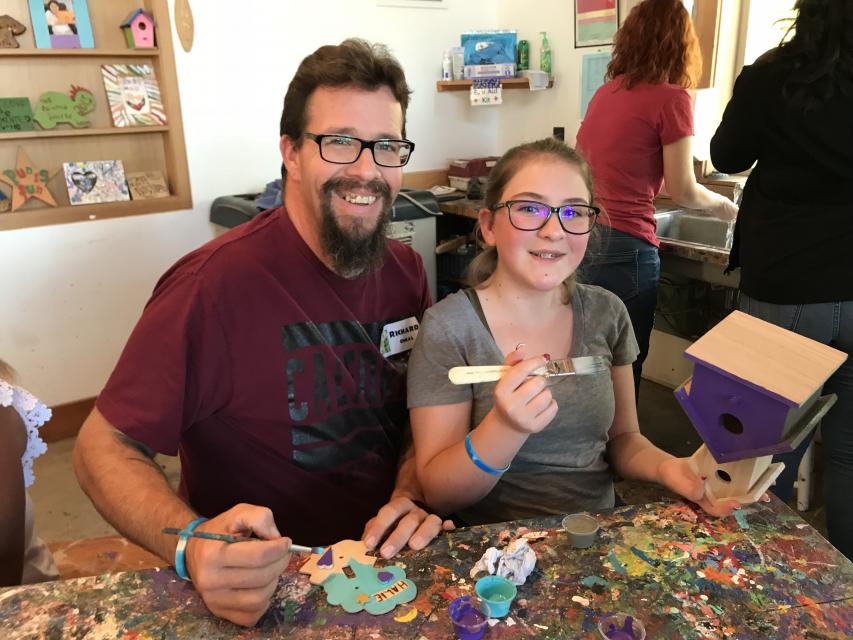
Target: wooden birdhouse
x: 755, y: 391
x: 756, y: 387
x: 743, y: 480
x: 138, y: 30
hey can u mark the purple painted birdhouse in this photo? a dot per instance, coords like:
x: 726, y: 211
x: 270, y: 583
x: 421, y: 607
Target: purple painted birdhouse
x: 755, y: 389
x: 138, y: 30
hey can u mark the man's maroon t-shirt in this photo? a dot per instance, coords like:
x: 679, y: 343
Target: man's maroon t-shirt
x: 622, y: 137
x: 261, y: 367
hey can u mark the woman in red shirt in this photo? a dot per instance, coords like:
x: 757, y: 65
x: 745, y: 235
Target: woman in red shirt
x: 638, y: 132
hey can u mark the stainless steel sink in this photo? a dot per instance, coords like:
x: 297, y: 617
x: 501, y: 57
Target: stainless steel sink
x: 694, y: 227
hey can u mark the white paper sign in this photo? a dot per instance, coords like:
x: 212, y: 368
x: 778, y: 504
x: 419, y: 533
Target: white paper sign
x: 486, y: 91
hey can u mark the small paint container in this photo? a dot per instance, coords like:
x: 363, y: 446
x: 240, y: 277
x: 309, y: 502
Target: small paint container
x: 498, y: 593
x: 621, y: 626
x: 470, y: 617
x: 582, y: 529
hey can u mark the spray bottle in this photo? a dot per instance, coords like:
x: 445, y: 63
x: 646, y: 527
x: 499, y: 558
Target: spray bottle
x: 545, y: 54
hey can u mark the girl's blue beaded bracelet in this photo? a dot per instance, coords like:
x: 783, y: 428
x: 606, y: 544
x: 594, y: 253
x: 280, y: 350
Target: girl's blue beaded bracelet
x: 479, y: 462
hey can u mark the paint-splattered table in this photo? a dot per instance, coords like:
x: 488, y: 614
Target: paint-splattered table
x: 765, y: 574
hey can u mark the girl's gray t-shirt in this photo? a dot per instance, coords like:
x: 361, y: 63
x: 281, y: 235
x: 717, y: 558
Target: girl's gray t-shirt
x: 561, y: 469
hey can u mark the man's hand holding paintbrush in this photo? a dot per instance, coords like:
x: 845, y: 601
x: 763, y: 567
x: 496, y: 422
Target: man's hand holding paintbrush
x: 237, y: 581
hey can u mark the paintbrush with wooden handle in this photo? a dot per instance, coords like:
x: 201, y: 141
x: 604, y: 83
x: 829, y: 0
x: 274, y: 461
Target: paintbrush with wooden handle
x: 580, y: 366
x: 227, y: 537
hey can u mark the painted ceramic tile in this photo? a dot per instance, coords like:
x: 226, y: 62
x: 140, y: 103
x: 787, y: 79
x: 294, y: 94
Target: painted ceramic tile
x: 133, y: 94
x: 61, y: 25
x: 145, y: 185
x: 96, y: 181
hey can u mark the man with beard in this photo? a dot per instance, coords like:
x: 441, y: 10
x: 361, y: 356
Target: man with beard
x: 272, y: 359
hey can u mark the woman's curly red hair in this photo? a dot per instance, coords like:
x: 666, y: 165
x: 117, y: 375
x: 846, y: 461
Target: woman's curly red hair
x: 657, y: 44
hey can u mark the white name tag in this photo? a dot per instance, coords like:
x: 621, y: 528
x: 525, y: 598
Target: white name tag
x: 398, y: 337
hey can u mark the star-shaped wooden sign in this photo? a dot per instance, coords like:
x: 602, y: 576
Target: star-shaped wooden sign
x: 27, y: 181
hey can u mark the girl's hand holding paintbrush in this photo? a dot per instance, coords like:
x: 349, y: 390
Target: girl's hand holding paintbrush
x: 236, y: 581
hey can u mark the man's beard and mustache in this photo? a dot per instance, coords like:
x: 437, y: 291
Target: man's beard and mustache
x: 356, y: 250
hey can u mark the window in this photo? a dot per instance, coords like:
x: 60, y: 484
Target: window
x: 766, y: 24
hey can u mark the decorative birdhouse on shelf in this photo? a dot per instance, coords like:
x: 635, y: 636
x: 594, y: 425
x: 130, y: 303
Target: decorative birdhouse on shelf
x: 755, y: 391
x: 138, y: 30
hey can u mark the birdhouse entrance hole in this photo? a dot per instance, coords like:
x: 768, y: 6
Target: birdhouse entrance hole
x: 722, y: 475
x: 731, y: 423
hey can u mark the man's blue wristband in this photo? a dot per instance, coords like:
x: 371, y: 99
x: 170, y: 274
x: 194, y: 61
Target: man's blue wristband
x: 479, y: 462
x: 183, y: 538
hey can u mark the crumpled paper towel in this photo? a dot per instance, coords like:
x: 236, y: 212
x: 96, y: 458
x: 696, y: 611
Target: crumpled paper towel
x: 514, y: 563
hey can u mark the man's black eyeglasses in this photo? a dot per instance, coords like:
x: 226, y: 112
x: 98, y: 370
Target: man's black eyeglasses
x: 529, y: 215
x: 341, y: 149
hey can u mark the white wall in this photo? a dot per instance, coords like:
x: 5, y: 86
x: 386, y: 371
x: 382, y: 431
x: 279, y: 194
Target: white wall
x: 70, y: 294
x: 527, y: 115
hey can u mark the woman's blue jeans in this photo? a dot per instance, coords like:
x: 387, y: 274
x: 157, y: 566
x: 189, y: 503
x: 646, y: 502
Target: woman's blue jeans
x: 830, y: 323
x: 630, y: 268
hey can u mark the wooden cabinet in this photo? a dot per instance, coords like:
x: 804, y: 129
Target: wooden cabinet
x: 29, y: 72
x: 706, y: 20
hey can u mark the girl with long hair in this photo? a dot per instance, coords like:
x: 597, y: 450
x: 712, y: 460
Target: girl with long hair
x: 519, y: 448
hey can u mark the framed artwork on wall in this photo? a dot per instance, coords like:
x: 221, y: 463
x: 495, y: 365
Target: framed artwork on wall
x: 625, y: 8
x: 133, y: 94
x: 61, y: 25
x: 596, y: 22
x: 95, y: 182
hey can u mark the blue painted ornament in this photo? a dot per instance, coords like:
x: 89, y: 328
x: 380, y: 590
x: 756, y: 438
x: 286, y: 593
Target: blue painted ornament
x: 375, y: 590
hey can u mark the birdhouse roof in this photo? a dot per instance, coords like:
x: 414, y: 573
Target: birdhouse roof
x: 129, y: 19
x: 775, y: 360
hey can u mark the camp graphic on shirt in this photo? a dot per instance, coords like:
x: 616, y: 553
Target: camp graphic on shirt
x: 339, y: 387
x: 398, y: 337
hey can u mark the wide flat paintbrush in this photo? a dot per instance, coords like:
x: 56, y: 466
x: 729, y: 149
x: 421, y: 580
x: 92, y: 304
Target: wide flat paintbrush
x: 554, y: 369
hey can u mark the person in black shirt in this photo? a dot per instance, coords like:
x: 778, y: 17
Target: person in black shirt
x: 791, y: 114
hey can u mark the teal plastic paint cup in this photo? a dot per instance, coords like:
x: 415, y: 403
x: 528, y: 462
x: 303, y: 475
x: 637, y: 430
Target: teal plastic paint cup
x: 621, y: 626
x: 498, y: 593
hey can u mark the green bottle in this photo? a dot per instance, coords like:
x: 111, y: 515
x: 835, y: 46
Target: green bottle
x: 545, y: 54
